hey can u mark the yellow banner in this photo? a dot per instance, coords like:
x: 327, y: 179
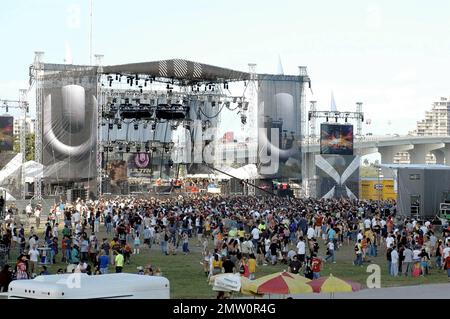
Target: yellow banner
x: 377, y: 189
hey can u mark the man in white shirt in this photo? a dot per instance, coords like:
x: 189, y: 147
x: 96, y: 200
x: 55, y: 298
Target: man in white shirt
x: 34, y: 256
x: 367, y: 223
x: 310, y: 233
x: 394, y: 262
x: 389, y: 241
x: 255, y: 237
x: 37, y: 215
x: 29, y: 210
x: 301, y: 249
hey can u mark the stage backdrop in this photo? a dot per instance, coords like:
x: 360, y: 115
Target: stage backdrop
x: 336, y: 139
x: 69, y: 126
x: 6, y: 133
x: 279, y: 108
x: 338, y: 176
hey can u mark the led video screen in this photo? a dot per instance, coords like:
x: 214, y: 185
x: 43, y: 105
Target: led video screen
x: 336, y: 139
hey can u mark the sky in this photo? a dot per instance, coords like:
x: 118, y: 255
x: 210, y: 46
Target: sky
x: 390, y: 55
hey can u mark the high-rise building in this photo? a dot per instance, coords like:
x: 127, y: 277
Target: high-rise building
x: 437, y: 120
x: 18, y: 126
x: 436, y: 123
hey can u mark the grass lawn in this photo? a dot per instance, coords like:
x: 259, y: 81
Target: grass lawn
x: 187, y: 279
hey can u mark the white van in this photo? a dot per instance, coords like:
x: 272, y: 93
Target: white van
x: 83, y: 286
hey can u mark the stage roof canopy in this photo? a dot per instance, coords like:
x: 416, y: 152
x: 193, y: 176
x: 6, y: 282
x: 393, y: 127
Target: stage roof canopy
x: 179, y: 69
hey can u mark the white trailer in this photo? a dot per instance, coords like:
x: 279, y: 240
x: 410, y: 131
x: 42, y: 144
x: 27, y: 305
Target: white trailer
x: 82, y: 286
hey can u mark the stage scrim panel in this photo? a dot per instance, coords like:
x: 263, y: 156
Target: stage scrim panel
x: 338, y: 176
x: 279, y: 111
x: 69, y: 126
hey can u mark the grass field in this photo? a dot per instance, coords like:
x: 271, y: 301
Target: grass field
x: 188, y: 280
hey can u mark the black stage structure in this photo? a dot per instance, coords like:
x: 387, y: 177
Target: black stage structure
x: 115, y: 129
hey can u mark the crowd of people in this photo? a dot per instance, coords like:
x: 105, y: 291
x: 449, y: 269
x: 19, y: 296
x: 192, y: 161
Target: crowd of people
x: 234, y: 233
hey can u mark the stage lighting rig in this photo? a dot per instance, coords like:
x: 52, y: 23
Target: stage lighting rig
x: 136, y: 126
x: 171, y: 112
x: 127, y: 149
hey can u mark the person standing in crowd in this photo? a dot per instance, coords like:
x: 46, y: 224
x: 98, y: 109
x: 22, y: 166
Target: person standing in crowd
x: 37, y: 216
x: 103, y: 262
x: 6, y: 277
x: 119, y: 261
x: 252, y: 266
x: 407, y: 261
x: 185, y: 243
x: 34, y: 258
x: 330, y: 252
x: 394, y: 262
x: 295, y: 265
x: 21, y: 268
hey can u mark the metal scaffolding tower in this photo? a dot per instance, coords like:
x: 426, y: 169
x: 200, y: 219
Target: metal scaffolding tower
x: 37, y: 77
x: 252, y: 115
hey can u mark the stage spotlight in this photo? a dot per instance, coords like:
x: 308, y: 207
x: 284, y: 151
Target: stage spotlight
x: 170, y: 163
x: 127, y: 149
x: 138, y: 149
x: 243, y: 119
x: 153, y: 126
x: 147, y: 149
x: 110, y: 126
x: 111, y: 149
x: 213, y: 104
x: 168, y: 86
x: 119, y: 126
x: 336, y: 119
x: 117, y: 77
x: 120, y: 148
x: 136, y: 126
x: 154, y: 149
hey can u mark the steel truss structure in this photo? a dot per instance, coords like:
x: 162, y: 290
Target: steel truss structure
x: 146, y: 101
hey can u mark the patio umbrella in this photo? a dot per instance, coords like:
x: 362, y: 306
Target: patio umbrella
x: 281, y: 283
x: 333, y: 284
x: 233, y: 282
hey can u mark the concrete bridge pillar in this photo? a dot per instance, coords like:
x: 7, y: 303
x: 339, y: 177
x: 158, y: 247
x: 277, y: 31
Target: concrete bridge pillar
x: 439, y: 155
x: 418, y: 154
x: 446, y: 152
x: 388, y: 152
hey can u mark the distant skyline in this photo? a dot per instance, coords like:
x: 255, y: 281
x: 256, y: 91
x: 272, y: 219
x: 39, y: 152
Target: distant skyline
x: 390, y: 55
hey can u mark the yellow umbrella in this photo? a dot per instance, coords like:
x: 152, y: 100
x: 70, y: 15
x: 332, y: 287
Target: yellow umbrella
x: 333, y: 284
x: 281, y: 283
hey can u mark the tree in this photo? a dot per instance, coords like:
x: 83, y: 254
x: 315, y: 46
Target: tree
x: 29, y: 144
